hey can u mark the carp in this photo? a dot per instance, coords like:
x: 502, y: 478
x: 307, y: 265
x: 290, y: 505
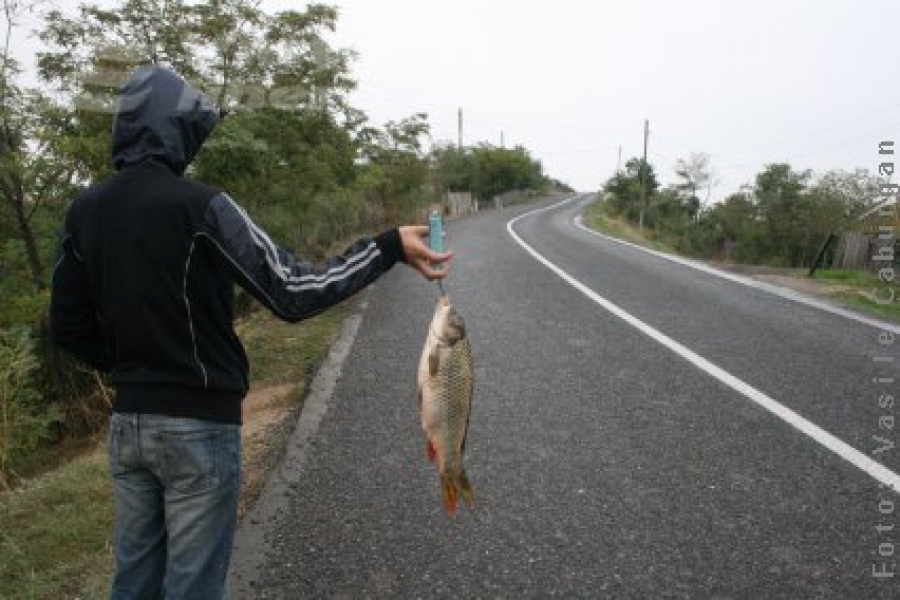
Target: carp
x: 445, y: 385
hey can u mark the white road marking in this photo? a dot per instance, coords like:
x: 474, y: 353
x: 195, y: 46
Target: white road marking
x: 750, y: 282
x: 876, y: 470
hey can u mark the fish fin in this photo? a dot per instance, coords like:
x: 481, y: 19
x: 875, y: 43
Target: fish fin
x: 465, y: 489
x: 433, y: 362
x: 448, y: 492
x: 430, y: 452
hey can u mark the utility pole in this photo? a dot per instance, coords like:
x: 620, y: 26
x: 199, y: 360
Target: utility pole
x: 642, y: 174
x: 502, y: 144
x: 460, y: 142
x: 619, y: 161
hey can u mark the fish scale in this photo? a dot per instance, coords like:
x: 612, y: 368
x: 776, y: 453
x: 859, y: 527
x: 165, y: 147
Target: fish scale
x: 445, y: 386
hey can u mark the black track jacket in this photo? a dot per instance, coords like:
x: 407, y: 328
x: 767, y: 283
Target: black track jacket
x: 144, y: 284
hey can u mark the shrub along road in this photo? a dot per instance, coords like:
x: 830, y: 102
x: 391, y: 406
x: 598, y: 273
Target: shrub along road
x: 605, y: 461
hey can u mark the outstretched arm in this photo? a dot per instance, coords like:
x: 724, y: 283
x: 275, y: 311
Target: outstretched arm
x: 294, y: 289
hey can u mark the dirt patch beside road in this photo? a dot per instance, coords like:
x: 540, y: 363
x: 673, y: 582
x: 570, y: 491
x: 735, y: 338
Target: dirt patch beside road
x: 805, y: 284
x: 269, y: 414
x: 794, y: 279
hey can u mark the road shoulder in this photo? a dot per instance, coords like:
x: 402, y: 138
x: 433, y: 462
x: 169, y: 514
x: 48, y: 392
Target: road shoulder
x: 278, y: 477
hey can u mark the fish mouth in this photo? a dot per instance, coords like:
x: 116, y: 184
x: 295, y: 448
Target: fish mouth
x: 447, y: 326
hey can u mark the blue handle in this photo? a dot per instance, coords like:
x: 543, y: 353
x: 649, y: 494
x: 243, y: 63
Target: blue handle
x: 436, y: 237
x: 435, y: 232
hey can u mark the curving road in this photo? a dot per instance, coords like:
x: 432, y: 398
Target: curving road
x: 641, y: 429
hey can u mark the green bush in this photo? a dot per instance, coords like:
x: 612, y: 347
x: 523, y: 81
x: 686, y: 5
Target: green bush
x: 23, y: 423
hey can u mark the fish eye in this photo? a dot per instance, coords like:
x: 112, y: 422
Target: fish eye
x: 457, y: 322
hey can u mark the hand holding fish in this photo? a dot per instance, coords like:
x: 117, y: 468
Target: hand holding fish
x: 420, y: 257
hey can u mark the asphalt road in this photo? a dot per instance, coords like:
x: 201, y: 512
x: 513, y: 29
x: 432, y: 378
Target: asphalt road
x: 604, y: 464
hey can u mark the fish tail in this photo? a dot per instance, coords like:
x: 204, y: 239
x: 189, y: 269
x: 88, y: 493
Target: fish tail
x: 465, y: 489
x: 448, y: 491
x: 454, y: 487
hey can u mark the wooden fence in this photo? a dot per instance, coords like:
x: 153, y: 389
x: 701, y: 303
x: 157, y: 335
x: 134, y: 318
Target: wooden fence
x: 857, y: 250
x: 458, y: 204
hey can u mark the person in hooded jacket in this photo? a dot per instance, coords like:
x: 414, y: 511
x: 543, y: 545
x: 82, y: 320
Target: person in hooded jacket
x: 144, y: 290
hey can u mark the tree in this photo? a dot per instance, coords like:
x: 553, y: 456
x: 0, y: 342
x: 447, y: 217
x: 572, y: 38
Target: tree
x: 228, y: 28
x: 397, y: 170
x: 670, y: 212
x: 694, y: 174
x: 499, y: 170
x: 32, y: 172
x: 624, y: 189
x: 845, y: 195
x: 306, y: 67
x: 783, y: 210
x: 453, y: 168
x: 835, y: 200
x: 94, y: 51
x: 290, y: 131
x: 736, y: 222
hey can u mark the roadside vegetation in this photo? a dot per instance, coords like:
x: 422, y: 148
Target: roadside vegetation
x: 598, y: 217
x: 864, y: 291
x: 774, y: 227
x: 56, y: 533
x: 781, y: 219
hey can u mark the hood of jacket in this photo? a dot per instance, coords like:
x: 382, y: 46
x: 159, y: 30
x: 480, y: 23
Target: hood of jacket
x: 159, y: 115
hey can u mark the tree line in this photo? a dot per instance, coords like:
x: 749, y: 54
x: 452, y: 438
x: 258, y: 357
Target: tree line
x: 309, y: 166
x: 781, y: 219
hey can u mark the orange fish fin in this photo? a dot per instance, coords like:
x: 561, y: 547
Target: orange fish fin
x: 465, y: 489
x: 448, y: 491
x: 430, y: 452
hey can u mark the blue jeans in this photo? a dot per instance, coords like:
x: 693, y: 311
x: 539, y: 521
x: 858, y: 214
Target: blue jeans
x: 176, y: 483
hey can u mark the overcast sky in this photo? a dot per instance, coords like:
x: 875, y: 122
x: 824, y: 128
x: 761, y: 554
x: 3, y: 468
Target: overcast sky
x: 810, y: 82
x: 813, y: 83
